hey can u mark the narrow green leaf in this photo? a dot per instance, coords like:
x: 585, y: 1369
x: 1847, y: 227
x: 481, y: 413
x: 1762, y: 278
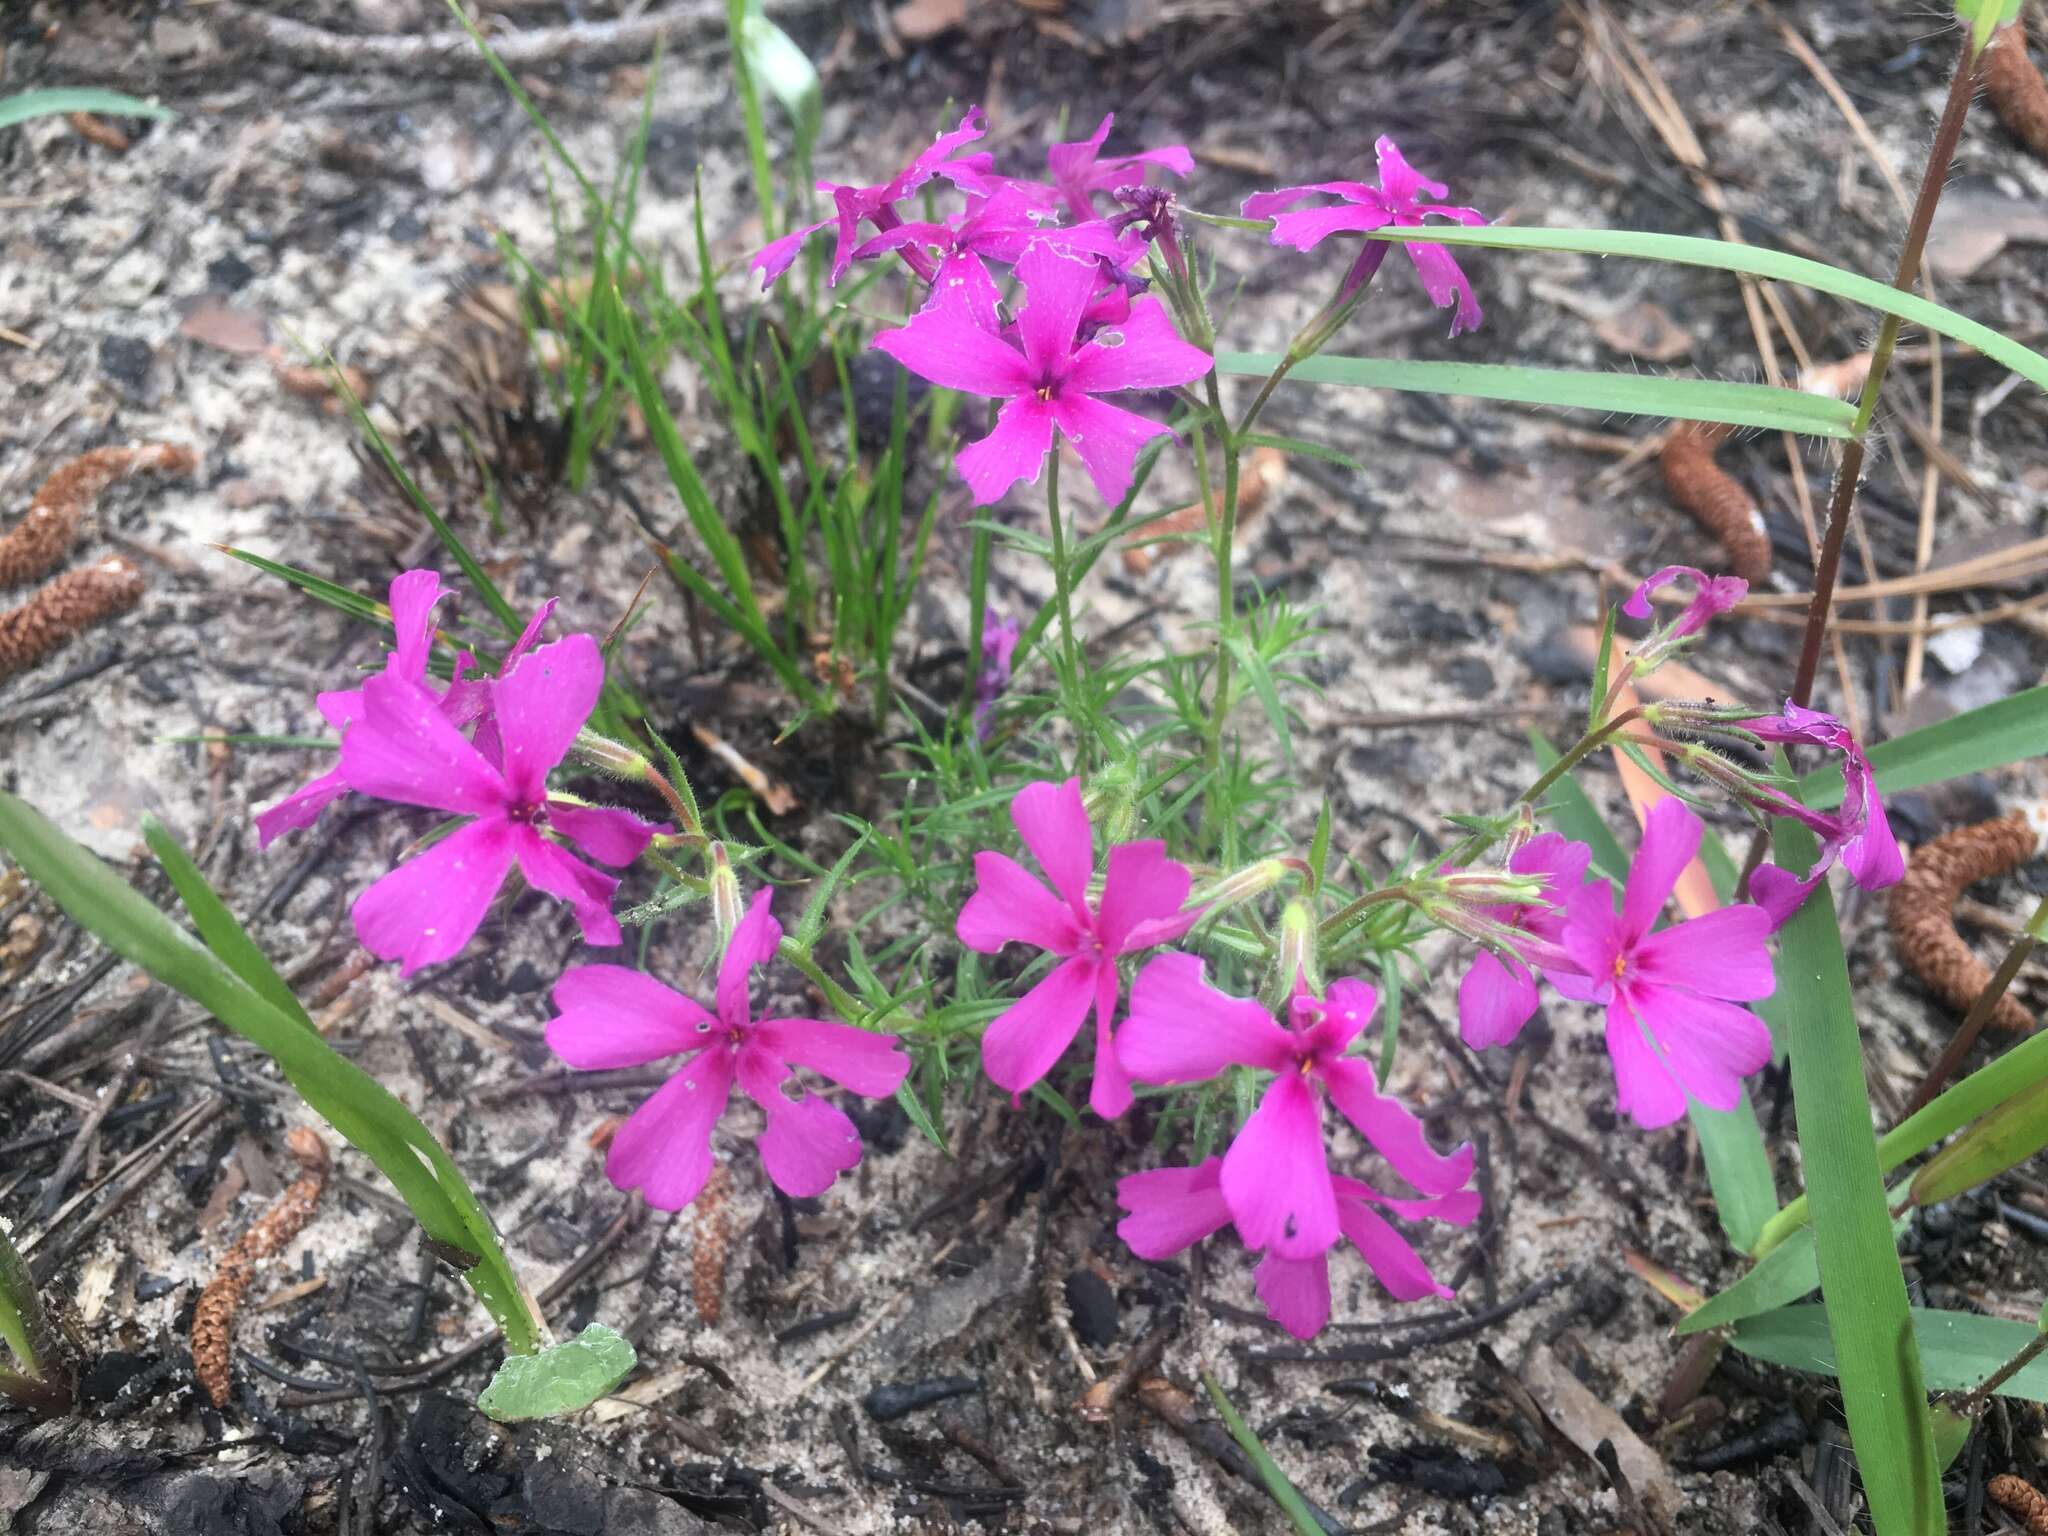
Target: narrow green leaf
x: 1984, y: 17
x: 919, y: 1116
x: 1861, y: 1283
x: 359, y: 1107
x: 1602, y: 663
x: 217, y: 927
x: 1635, y: 394
x: 2002, y: 1140
x: 1957, y: 1350
x: 1749, y: 261
x: 1284, y: 1492
x: 1781, y: 1277
x: 23, y: 105
x: 812, y: 923
x: 562, y: 1378
x: 1303, y: 447
x: 1738, y: 1168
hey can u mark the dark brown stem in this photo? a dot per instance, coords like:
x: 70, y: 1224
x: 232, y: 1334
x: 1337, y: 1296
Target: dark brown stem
x: 1843, y: 500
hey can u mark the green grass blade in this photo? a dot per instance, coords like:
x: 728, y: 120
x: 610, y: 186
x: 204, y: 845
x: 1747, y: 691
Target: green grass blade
x: 23, y: 105
x: 2001, y: 1141
x: 1277, y: 1484
x: 358, y: 1107
x: 1976, y: 741
x: 218, y: 929
x: 1635, y: 394
x: 1781, y: 1277
x: 1958, y: 1351
x: 1861, y: 1283
x: 1749, y: 261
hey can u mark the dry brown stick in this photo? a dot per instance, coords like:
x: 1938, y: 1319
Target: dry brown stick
x: 1922, y: 910
x: 2018, y: 94
x: 63, y: 609
x: 626, y: 40
x: 1716, y: 498
x: 33, y: 546
x: 213, y: 1320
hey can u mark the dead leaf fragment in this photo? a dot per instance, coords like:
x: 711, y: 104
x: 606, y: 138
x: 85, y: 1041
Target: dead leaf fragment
x: 1586, y: 1421
x: 917, y: 21
x: 213, y: 322
x: 1645, y: 330
x: 775, y: 794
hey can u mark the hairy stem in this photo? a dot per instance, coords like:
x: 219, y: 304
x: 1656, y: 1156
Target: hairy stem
x: 1071, y: 683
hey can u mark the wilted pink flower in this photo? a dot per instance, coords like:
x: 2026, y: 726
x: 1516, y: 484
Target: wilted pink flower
x: 1858, y: 835
x: 877, y: 204
x: 1172, y: 1209
x: 1672, y: 1025
x: 1142, y: 897
x: 998, y: 644
x: 1079, y: 171
x: 1275, y: 1177
x: 1364, y: 208
x: 612, y: 1016
x: 1498, y: 995
x: 1054, y: 379
x: 1712, y: 596
x: 403, y: 748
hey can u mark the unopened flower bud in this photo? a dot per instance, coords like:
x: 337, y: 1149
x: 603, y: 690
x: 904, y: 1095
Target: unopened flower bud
x: 1111, y: 799
x: 1242, y: 885
x: 727, y: 906
x: 1479, y: 887
x: 1297, y: 960
x: 609, y: 756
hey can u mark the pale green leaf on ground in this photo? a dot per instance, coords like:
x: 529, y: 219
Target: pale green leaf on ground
x: 24, y: 105
x: 562, y: 1378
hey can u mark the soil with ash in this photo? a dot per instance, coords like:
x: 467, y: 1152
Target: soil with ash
x: 908, y: 1353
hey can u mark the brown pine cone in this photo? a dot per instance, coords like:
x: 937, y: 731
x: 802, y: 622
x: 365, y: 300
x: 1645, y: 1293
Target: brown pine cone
x: 2016, y: 90
x: 65, y: 608
x: 1716, y: 498
x: 43, y: 537
x: 1922, y: 910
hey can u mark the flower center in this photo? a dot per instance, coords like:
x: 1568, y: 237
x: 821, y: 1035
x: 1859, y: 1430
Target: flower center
x: 1620, y: 965
x: 533, y: 815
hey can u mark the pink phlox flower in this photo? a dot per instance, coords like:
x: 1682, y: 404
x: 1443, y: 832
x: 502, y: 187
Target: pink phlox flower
x: 998, y: 645
x: 1140, y: 908
x: 1172, y: 1209
x: 468, y: 699
x: 1363, y: 208
x: 1672, y: 1025
x: 1080, y: 170
x: 404, y: 749
x: 1712, y: 596
x: 998, y: 227
x: 853, y: 206
x: 1275, y: 1177
x: 613, y: 1016
x: 413, y: 597
x: 1052, y: 378
x: 1858, y: 836
x: 1498, y: 994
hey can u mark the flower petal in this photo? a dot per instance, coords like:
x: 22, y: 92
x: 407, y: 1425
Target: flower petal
x: 427, y: 909
x: 540, y: 705
x: 1341, y: 1015
x: 1671, y: 836
x: 860, y: 1060
x: 1494, y: 1001
x: 944, y: 342
x: 1275, y: 1177
x: 1264, y: 205
x: 1014, y: 451
x: 1593, y: 938
x: 550, y: 867
x: 1171, y: 1209
x: 664, y: 1148
x: 1308, y: 228
x: 1296, y: 1292
x: 1020, y: 1044
x: 404, y: 750
x: 1058, y: 284
x: 1108, y: 439
x: 608, y: 834
x: 1109, y: 1090
x: 752, y: 944
x: 1393, y: 1129
x: 1399, y: 180
x: 808, y: 1142
x: 1394, y: 1263
x: 1182, y: 1030
x: 1446, y: 284
x: 1710, y: 1046
x: 300, y: 808
x: 1054, y: 825
x: 776, y: 257
x: 1144, y: 352
x: 412, y: 597
x: 1644, y: 1088
x: 1142, y: 885
x: 614, y: 1016
x: 1722, y: 954
x: 1010, y: 904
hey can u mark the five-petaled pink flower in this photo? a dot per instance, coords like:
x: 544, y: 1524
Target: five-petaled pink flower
x: 1672, y: 1025
x: 1054, y: 379
x: 1858, y: 835
x: 404, y: 748
x: 1172, y: 1209
x: 1498, y: 995
x: 1079, y: 169
x: 1142, y: 897
x: 851, y: 206
x: 1363, y: 208
x: 612, y: 1016
x: 1275, y: 1178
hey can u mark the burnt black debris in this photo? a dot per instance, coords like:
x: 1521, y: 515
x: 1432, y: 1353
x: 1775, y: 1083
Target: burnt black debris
x: 893, y: 1400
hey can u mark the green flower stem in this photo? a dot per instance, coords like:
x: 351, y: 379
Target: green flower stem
x: 1478, y: 842
x: 1345, y: 916
x: 844, y: 1003
x: 1072, y: 686
x: 1223, y: 546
